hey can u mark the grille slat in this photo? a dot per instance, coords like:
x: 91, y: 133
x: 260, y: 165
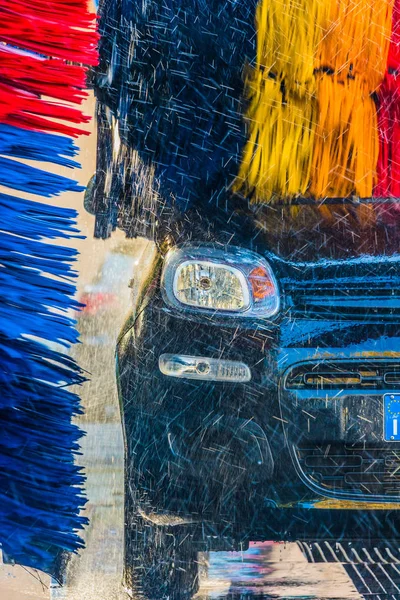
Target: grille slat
x: 359, y: 470
x: 381, y: 376
x: 347, y: 297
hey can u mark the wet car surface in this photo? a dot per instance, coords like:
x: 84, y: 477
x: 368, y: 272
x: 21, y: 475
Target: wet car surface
x: 265, y: 570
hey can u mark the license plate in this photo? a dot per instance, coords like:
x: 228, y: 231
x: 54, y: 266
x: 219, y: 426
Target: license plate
x: 391, y: 417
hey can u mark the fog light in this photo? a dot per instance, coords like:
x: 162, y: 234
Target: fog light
x: 200, y: 367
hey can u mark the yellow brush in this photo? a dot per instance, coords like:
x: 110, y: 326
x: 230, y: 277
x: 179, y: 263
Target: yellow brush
x: 311, y: 120
x: 283, y: 109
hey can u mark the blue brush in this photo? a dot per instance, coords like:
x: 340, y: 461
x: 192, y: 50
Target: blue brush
x: 41, y: 487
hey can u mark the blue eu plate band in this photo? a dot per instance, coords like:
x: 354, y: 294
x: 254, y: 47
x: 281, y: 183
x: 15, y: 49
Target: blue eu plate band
x: 391, y: 418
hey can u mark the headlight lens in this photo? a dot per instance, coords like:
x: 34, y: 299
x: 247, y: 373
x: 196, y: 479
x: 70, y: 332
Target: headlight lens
x: 226, y: 282
x: 210, y: 285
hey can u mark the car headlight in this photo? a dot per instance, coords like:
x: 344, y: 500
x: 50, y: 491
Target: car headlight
x: 227, y: 282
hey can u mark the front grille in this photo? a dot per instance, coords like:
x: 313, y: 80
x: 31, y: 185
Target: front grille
x: 334, y: 414
x: 344, y: 375
x: 354, y: 469
x: 322, y: 299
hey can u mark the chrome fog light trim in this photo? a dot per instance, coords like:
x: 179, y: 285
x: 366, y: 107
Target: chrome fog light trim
x: 203, y: 368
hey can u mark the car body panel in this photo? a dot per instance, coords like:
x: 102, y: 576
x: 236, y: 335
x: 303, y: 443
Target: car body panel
x: 271, y: 348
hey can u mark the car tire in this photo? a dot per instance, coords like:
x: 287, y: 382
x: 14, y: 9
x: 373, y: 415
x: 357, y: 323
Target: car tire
x: 160, y: 561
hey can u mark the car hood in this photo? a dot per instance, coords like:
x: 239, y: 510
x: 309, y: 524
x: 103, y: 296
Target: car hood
x: 311, y: 234
x: 338, y: 259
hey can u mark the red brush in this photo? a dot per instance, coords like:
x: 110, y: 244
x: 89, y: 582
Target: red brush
x: 388, y: 168
x: 62, y: 29
x: 41, y: 39
x: 23, y: 109
x: 50, y: 77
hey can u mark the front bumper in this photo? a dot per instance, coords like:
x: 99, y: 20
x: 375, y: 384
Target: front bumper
x: 335, y: 423
x: 208, y: 441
